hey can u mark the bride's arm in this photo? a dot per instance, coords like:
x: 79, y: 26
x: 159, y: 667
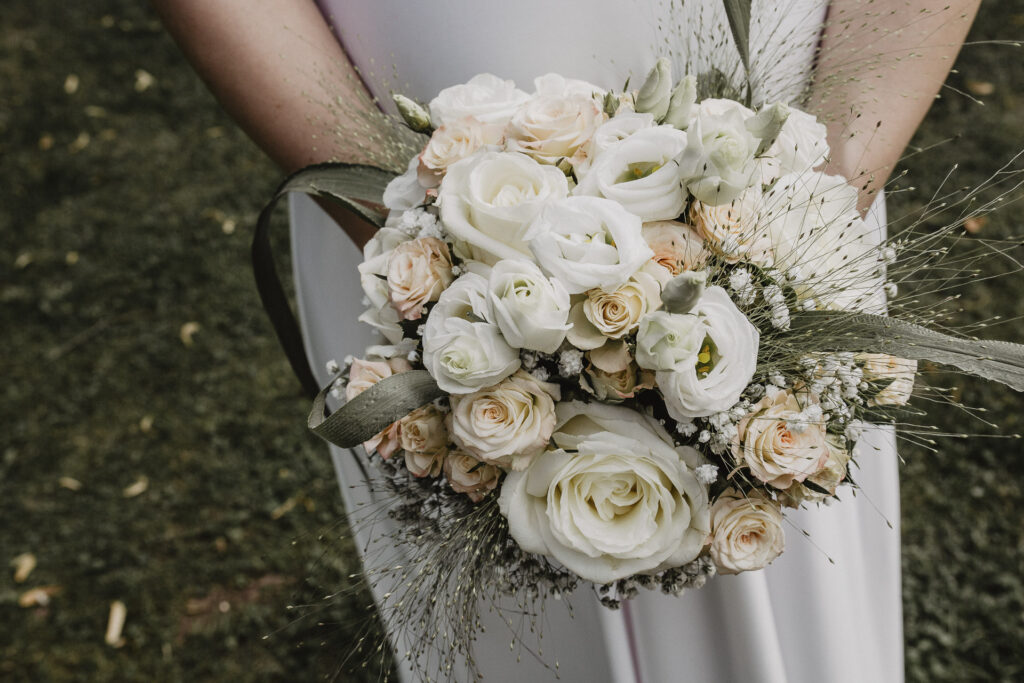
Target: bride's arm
x: 274, y: 65
x: 886, y: 63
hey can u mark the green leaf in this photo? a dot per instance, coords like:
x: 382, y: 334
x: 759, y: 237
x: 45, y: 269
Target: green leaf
x: 862, y: 332
x: 738, y: 13
x: 372, y: 411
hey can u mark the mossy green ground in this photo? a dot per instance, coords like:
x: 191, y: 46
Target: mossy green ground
x: 126, y: 207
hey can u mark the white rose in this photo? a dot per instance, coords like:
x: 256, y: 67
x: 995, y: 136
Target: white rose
x: 666, y: 340
x: 373, y: 276
x: 554, y: 126
x: 465, y: 298
x: 531, y: 310
x: 640, y: 173
x: 718, y: 162
x: 450, y: 143
x: 418, y: 271
x: 554, y: 85
x: 778, y: 443
x: 895, y: 376
x: 612, y: 314
x: 724, y: 366
x: 746, y: 532
x: 485, y: 97
x: 612, y: 499
x: 814, y: 226
x: 676, y: 246
x: 488, y: 199
x: 801, y: 144
x: 587, y: 242
x: 464, y: 356
x: 733, y: 229
x: 468, y: 475
x: 507, y: 424
x: 405, y: 191
x: 614, y: 130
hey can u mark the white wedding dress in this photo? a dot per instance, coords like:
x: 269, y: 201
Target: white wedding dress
x: 829, y: 609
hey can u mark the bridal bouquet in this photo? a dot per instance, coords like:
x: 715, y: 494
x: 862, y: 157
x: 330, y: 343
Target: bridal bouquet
x: 624, y: 332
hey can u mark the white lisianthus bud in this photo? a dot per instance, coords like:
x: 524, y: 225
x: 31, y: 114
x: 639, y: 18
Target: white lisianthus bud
x: 680, y: 106
x: 531, y: 310
x: 746, y: 532
x: 654, y: 95
x: 414, y: 115
x: 666, y: 340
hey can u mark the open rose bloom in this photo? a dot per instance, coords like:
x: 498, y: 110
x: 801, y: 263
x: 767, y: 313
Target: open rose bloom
x: 640, y: 318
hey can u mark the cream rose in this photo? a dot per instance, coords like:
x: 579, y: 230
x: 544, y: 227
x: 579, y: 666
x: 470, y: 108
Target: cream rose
x: 468, y: 475
x: 587, y: 242
x: 423, y: 430
x: 724, y: 365
x: 640, y: 173
x: 373, y: 276
x: 613, y: 314
x: 418, y: 271
x: 554, y: 125
x: 612, y: 375
x: 746, y: 532
x: 531, y: 310
x: 779, y: 443
x: 895, y: 376
x: 612, y: 498
x: 425, y: 464
x: 828, y: 478
x: 733, y: 230
x: 450, y: 143
x: 485, y: 97
x: 507, y: 424
x: 676, y: 246
x: 487, y: 201
x: 362, y: 375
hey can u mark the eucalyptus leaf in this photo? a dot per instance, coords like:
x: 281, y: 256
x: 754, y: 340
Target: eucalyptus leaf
x: 863, y: 332
x: 738, y: 13
x: 373, y: 410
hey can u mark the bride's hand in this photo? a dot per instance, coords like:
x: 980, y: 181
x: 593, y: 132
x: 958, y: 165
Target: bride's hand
x: 274, y: 65
x: 884, y: 64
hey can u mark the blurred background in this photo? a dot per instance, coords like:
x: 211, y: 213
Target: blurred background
x: 154, y: 461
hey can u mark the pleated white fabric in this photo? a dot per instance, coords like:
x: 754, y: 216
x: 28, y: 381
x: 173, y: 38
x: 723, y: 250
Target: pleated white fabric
x: 830, y: 608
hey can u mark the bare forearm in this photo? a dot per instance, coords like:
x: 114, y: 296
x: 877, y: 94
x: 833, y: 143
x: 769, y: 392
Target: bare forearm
x: 879, y: 69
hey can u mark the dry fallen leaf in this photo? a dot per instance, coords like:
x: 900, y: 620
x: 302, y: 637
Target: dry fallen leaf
x: 23, y: 260
x: 188, y: 330
x: 228, y: 226
x: 71, y: 84
x: 974, y: 225
x: 46, y: 142
x: 70, y: 483
x: 980, y: 88
x: 80, y: 143
x: 143, y: 80
x: 94, y: 112
x: 71, y: 258
x: 138, y: 488
x: 23, y: 565
x: 38, y: 597
x: 146, y: 423
x: 115, y: 624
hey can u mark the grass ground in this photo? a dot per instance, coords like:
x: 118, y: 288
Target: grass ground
x: 153, y: 448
